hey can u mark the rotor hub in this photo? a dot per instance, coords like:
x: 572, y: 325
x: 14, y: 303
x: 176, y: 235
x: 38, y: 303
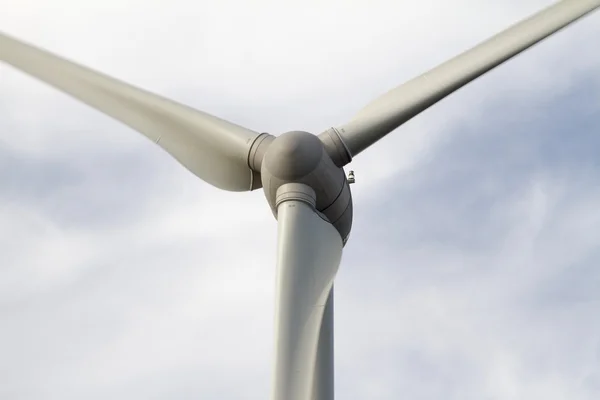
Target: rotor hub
x: 294, y: 155
x: 301, y: 157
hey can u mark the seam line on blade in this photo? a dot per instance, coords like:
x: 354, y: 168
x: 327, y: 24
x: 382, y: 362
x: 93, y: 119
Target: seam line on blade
x: 348, y: 152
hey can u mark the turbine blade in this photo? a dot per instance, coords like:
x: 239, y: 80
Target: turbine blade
x: 213, y: 149
x: 399, y: 105
x: 309, y: 254
x: 324, y: 381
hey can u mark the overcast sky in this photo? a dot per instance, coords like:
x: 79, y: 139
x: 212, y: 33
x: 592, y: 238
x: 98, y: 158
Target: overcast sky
x: 473, y: 268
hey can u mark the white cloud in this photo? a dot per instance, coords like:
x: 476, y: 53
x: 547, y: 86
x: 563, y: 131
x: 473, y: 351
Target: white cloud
x: 123, y: 276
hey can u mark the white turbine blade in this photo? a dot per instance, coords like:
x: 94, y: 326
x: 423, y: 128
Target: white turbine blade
x: 309, y: 254
x: 324, y: 381
x: 399, y: 105
x: 213, y: 149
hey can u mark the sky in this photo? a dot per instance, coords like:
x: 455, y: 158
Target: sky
x: 473, y: 267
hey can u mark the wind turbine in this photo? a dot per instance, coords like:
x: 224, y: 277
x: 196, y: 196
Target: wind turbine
x: 301, y: 174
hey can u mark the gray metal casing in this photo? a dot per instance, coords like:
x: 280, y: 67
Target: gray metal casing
x: 300, y: 157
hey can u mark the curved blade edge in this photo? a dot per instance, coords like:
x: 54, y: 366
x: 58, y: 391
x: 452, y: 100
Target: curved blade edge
x: 399, y: 105
x: 213, y: 149
x: 309, y: 254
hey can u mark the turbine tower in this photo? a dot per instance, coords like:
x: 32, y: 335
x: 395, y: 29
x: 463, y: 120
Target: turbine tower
x: 301, y: 174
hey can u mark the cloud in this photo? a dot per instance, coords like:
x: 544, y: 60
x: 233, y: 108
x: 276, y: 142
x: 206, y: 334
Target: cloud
x: 482, y: 282
x: 471, y: 269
